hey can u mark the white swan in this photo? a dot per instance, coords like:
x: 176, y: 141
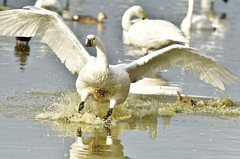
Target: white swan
x: 96, y: 78
x: 53, y: 5
x: 192, y: 21
x: 150, y: 34
x: 208, y: 5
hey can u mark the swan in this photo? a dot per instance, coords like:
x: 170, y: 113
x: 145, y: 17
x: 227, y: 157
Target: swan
x: 208, y: 5
x: 96, y: 78
x: 53, y: 5
x: 192, y: 21
x: 86, y: 19
x: 149, y: 34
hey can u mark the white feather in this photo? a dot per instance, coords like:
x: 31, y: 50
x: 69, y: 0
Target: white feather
x: 173, y: 56
x: 51, y: 28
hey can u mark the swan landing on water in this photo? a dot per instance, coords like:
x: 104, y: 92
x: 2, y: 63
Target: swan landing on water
x: 96, y: 78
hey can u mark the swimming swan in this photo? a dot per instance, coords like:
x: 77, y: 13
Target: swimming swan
x: 149, y: 34
x: 192, y: 21
x: 96, y: 78
x: 86, y: 19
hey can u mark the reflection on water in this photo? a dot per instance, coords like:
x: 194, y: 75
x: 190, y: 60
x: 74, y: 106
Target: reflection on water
x: 97, y: 145
x: 103, y: 141
x: 154, y: 85
x: 21, y: 51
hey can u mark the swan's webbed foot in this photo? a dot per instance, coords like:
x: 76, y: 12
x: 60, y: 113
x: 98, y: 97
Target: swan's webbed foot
x: 109, y: 113
x: 81, y: 106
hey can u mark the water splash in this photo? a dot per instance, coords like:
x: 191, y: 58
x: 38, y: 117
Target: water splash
x: 136, y: 106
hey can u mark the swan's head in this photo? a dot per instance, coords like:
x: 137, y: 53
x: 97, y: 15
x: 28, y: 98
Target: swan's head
x: 138, y: 12
x: 91, y: 41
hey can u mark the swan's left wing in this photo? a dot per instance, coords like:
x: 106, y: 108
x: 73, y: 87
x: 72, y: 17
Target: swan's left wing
x: 49, y: 26
x: 173, y: 56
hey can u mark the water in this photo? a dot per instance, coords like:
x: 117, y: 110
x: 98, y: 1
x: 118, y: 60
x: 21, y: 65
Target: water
x: 38, y: 96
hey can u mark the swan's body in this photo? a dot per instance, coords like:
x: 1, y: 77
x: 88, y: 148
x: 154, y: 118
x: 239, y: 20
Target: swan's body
x: 86, y: 19
x: 53, y: 5
x: 192, y: 21
x: 150, y: 34
x: 104, y: 82
x: 208, y: 5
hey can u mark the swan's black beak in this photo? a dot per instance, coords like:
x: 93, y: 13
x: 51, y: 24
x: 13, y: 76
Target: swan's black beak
x: 89, y: 43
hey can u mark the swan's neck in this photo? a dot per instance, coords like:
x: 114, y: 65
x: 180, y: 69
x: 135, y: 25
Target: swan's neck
x: 190, y: 12
x: 126, y: 19
x: 102, y: 60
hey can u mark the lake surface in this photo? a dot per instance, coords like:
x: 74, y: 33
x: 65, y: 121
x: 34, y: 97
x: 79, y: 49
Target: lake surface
x: 38, y: 95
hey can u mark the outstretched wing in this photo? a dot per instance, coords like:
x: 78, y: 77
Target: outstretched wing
x: 173, y: 56
x: 49, y: 26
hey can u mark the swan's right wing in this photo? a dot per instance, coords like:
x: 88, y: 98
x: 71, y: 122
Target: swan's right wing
x: 49, y: 26
x: 173, y: 56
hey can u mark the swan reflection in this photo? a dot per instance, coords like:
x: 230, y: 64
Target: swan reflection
x: 101, y: 145
x: 104, y: 142
x: 21, y: 51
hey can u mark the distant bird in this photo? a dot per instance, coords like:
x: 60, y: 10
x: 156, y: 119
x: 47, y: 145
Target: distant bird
x: 86, y: 19
x: 149, y: 34
x: 192, y: 21
x: 96, y: 78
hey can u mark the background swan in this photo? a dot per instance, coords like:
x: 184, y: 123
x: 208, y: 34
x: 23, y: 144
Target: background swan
x: 192, y: 21
x: 53, y: 5
x: 86, y: 19
x: 96, y: 78
x: 208, y: 5
x: 149, y: 34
